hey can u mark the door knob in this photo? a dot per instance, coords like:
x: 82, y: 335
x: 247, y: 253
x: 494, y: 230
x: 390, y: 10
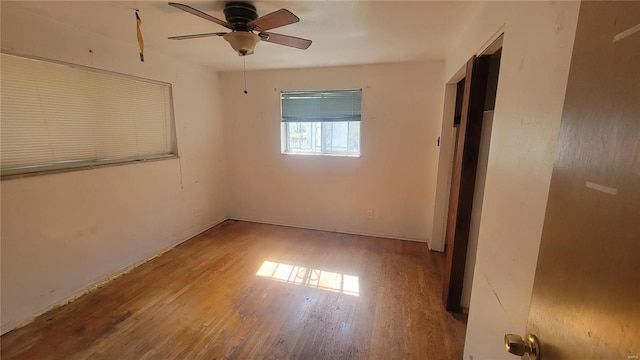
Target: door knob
x: 517, y: 346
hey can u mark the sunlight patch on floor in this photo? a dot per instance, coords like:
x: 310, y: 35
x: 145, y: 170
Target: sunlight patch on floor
x: 313, y: 278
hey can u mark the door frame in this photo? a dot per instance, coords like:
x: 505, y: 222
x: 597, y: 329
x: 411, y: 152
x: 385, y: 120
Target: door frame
x: 463, y: 180
x: 463, y: 177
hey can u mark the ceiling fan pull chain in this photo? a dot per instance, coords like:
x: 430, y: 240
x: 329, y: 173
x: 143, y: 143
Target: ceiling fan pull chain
x: 244, y: 73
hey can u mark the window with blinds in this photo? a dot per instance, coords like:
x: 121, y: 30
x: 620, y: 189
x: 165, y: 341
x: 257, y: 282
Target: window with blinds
x: 321, y: 122
x: 60, y: 116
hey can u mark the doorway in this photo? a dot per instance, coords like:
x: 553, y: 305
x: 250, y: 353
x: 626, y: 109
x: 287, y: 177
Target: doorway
x: 472, y: 118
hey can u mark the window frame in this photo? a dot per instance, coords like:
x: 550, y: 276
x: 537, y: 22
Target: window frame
x: 77, y: 165
x: 285, y: 148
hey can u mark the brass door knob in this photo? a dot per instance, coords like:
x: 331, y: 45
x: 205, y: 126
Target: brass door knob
x: 517, y: 346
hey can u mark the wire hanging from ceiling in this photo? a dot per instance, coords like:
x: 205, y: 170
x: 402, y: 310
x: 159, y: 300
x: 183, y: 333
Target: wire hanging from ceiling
x: 139, y: 33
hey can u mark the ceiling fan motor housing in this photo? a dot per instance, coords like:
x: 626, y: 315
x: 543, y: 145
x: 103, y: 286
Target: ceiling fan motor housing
x: 239, y: 14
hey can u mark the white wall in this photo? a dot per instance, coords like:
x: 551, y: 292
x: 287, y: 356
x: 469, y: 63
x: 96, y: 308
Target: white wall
x: 394, y: 177
x: 534, y: 68
x: 62, y: 233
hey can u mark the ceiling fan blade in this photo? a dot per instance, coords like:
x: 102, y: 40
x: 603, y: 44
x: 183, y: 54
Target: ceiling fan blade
x: 273, y: 20
x: 195, y: 36
x: 285, y: 40
x: 199, y: 13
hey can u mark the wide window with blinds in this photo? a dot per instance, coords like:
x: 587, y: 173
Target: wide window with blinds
x: 60, y: 116
x: 321, y: 122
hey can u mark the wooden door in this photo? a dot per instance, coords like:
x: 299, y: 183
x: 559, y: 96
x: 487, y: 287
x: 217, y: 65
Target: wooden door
x: 463, y: 180
x: 586, y: 297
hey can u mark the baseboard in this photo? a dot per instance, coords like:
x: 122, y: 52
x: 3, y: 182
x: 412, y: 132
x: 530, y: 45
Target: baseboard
x: 278, y: 223
x: 11, y: 325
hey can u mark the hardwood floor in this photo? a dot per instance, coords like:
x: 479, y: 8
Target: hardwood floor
x: 252, y: 291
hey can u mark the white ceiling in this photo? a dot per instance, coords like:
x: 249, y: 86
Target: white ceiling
x: 343, y: 32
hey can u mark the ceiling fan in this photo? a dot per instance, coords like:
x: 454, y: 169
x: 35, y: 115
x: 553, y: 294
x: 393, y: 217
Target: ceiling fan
x: 243, y: 21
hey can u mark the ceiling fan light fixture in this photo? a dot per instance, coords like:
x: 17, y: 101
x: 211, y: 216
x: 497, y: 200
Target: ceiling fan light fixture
x: 243, y: 42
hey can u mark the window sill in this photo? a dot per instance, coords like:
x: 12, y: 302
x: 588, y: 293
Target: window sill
x: 321, y: 154
x: 17, y: 173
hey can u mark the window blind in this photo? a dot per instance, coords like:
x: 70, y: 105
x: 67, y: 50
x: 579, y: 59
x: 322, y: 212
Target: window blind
x: 321, y: 106
x: 58, y: 116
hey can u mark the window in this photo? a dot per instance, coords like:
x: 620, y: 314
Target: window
x: 321, y: 122
x: 60, y: 116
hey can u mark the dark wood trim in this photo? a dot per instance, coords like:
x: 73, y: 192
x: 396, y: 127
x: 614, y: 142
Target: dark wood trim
x: 463, y: 181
